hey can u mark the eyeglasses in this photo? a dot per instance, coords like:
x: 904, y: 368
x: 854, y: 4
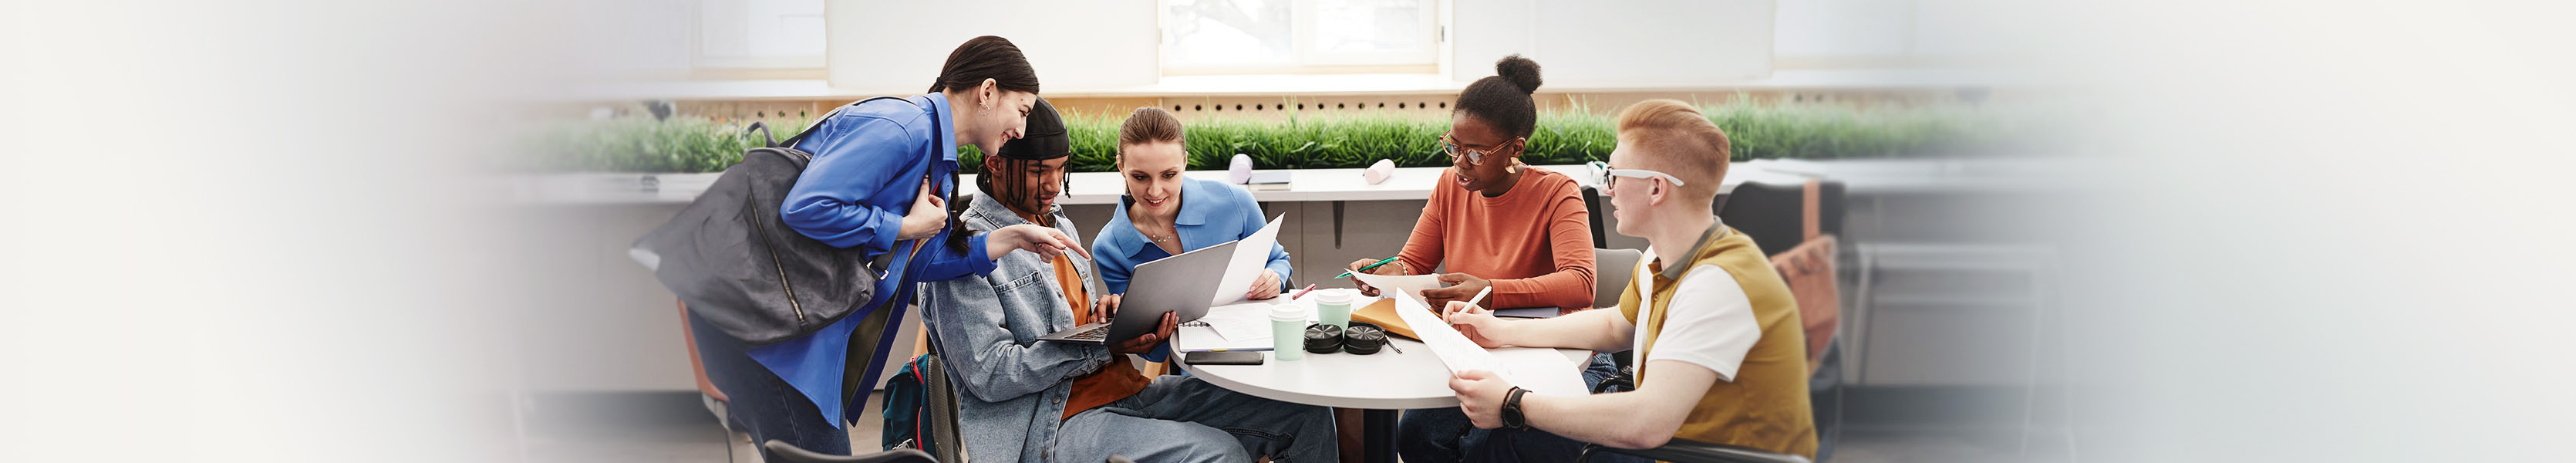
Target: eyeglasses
x: 1608, y: 177
x: 1450, y: 146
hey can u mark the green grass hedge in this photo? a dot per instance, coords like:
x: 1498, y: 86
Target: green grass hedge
x: 1797, y: 131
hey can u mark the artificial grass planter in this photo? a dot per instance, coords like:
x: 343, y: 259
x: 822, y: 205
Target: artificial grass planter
x: 1793, y: 131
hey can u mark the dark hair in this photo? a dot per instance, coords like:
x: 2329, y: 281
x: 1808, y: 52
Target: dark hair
x: 987, y: 57
x: 1503, y: 99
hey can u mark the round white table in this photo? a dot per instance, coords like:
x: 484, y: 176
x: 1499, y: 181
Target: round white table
x: 1381, y: 383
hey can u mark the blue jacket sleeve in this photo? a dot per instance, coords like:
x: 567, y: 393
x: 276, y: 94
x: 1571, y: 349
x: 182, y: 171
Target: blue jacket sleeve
x: 945, y: 263
x: 863, y: 157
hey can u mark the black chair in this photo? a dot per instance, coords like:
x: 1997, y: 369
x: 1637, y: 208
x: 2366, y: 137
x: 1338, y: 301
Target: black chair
x: 791, y: 454
x: 1770, y: 213
x: 1592, y: 204
x: 1685, y: 450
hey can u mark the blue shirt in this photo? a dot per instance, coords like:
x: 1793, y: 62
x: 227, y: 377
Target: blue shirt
x: 870, y: 160
x: 1212, y: 213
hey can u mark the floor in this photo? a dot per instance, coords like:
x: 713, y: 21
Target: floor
x: 671, y: 435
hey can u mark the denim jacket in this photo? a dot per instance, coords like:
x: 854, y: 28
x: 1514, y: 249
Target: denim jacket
x: 1011, y: 387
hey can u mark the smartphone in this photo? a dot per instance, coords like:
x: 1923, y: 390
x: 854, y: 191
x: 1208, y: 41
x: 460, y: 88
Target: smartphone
x: 1222, y: 358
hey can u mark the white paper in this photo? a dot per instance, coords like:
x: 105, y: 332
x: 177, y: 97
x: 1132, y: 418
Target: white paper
x: 1238, y: 326
x: 1409, y: 285
x: 1251, y: 256
x: 1542, y: 371
x: 1240, y: 322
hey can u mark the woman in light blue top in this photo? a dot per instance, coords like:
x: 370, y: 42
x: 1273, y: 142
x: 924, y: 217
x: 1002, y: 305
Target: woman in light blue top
x: 1165, y: 214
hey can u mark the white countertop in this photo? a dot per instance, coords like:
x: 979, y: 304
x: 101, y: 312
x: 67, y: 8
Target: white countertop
x: 1410, y: 183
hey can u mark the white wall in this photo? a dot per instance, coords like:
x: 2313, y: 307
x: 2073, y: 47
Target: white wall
x: 897, y: 46
x: 1616, y: 42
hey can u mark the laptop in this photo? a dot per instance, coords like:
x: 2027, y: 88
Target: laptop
x: 1182, y: 284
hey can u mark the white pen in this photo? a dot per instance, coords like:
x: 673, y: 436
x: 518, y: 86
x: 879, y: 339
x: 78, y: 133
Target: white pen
x: 1480, y: 295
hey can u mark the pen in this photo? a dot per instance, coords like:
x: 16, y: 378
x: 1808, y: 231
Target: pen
x: 1347, y: 274
x: 1302, y: 292
x: 1480, y: 296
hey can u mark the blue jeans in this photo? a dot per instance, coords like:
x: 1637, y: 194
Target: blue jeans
x: 1179, y: 418
x: 760, y: 403
x: 1445, y: 434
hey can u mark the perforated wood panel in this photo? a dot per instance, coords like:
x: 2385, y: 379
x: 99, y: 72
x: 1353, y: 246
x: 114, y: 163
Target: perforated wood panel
x: 1277, y: 107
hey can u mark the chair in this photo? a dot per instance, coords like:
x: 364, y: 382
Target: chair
x: 1685, y: 450
x: 791, y: 454
x: 714, y: 399
x: 1611, y: 269
x: 943, y: 408
x: 1592, y: 204
x: 1770, y: 213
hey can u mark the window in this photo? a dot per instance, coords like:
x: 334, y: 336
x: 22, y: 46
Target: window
x: 1884, y: 33
x: 1283, y: 36
x: 760, y: 34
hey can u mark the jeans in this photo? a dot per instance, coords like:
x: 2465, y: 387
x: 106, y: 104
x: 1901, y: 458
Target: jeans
x: 1179, y: 418
x: 1445, y: 434
x: 760, y: 403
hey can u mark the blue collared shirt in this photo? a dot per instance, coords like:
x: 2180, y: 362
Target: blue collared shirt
x: 1212, y: 213
x: 869, y: 164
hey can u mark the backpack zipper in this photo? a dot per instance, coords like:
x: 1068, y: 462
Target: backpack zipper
x: 766, y: 244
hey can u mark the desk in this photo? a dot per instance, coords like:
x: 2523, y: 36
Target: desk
x: 1382, y: 383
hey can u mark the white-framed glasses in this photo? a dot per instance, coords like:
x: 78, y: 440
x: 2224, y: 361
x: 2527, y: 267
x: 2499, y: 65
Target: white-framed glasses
x: 1608, y: 177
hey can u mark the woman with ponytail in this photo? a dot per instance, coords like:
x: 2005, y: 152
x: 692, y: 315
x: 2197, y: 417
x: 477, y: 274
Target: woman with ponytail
x: 881, y: 173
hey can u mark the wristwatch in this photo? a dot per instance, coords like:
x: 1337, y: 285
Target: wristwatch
x: 1512, y: 416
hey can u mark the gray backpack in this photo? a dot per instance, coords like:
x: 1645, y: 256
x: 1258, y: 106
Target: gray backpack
x: 735, y: 263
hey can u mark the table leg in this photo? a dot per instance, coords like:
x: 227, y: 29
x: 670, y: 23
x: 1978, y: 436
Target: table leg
x: 1379, y: 437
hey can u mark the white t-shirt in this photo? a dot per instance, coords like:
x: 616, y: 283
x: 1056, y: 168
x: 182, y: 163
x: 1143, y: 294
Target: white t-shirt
x: 1712, y: 323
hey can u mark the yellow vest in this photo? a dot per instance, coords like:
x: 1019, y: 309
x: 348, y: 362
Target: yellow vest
x: 1766, y: 406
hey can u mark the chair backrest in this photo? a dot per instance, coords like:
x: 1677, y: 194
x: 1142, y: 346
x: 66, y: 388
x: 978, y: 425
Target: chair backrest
x: 1592, y: 204
x: 689, y: 336
x: 1770, y: 213
x: 1611, y: 269
x: 943, y: 408
x: 792, y: 454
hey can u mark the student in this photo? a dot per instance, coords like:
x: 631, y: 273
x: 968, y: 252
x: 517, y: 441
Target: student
x: 1035, y: 401
x: 1165, y: 213
x: 1521, y: 231
x: 1711, y: 323
x: 879, y: 170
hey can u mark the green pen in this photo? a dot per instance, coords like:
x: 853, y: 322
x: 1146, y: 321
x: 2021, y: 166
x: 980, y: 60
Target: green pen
x: 1347, y: 274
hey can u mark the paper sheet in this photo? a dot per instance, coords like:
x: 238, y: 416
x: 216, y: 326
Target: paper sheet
x: 1238, y: 326
x: 1240, y: 322
x: 1251, y: 256
x: 1542, y: 371
x: 1409, y: 285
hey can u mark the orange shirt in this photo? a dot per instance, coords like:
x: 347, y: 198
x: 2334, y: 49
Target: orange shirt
x: 1116, y: 379
x: 1534, y: 242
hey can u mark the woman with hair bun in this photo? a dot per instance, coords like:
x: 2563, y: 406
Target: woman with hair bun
x: 1521, y: 231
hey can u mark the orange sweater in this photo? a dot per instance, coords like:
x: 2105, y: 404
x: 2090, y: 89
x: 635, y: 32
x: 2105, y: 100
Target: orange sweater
x: 1534, y: 242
